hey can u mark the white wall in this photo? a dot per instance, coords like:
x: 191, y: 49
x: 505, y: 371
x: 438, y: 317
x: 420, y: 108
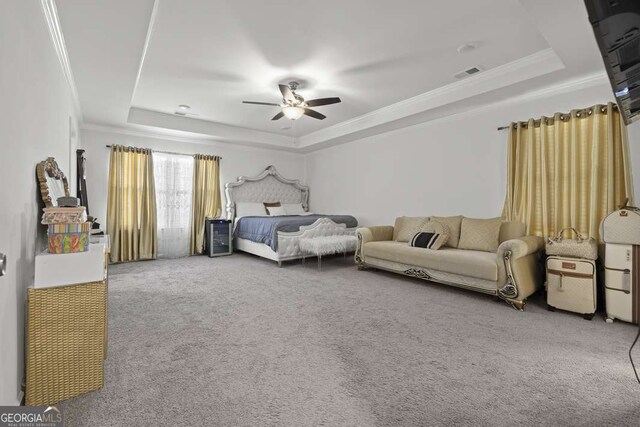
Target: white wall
x: 236, y: 160
x: 454, y: 165
x: 634, y: 147
x: 34, y: 124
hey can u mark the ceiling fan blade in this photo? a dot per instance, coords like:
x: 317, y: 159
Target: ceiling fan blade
x: 260, y: 103
x: 314, y: 114
x: 322, y: 101
x: 286, y: 93
x: 278, y: 116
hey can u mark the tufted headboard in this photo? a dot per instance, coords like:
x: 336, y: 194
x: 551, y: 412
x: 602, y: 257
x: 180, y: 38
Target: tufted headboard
x: 269, y: 186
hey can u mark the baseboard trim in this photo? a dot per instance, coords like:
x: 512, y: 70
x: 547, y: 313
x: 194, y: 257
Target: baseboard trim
x: 19, y: 399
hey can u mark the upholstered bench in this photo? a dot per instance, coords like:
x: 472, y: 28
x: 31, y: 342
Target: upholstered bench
x: 332, y: 239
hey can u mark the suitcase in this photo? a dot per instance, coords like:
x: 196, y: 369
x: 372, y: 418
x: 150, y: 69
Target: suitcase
x: 622, y: 282
x: 572, y: 285
x: 622, y: 226
x: 620, y: 230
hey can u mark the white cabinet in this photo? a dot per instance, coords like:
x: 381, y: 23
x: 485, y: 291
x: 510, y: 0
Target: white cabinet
x: 68, y: 269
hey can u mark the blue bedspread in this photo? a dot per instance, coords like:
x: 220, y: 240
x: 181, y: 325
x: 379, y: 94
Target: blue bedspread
x: 264, y: 229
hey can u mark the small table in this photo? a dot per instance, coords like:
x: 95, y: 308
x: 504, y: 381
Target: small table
x: 328, y: 245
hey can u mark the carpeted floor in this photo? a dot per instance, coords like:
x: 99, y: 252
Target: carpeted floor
x: 237, y: 341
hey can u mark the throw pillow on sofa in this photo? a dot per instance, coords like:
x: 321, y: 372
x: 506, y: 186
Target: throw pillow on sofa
x: 454, y: 223
x: 440, y: 230
x: 480, y: 234
x: 424, y: 240
x: 407, y: 226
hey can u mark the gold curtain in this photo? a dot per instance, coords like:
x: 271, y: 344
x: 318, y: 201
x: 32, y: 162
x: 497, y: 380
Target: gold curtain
x: 131, y: 207
x: 206, y: 197
x: 569, y: 170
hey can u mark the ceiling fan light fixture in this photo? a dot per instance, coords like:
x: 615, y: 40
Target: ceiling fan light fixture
x: 293, y: 113
x: 294, y: 106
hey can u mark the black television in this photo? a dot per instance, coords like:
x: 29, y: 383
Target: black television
x: 616, y: 25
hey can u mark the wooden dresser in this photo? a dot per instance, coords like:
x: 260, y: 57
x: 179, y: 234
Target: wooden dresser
x: 66, y: 335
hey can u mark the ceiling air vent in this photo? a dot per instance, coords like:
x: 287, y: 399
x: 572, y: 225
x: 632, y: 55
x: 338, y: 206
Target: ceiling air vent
x: 468, y: 72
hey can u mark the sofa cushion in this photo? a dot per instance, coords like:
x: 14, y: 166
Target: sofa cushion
x: 453, y: 222
x: 481, y: 265
x: 512, y: 230
x: 480, y: 234
x: 407, y: 226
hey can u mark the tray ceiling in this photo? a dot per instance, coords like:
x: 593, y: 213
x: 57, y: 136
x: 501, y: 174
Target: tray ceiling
x: 213, y: 55
x: 135, y: 62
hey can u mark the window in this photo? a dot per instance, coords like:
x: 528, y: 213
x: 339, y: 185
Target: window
x: 173, y: 175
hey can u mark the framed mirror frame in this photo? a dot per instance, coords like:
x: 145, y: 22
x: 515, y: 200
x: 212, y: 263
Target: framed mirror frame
x: 50, y: 168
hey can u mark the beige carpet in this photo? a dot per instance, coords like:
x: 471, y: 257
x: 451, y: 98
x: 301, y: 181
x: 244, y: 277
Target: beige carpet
x: 237, y: 341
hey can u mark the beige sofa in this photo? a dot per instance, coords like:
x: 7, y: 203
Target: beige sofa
x: 511, y: 273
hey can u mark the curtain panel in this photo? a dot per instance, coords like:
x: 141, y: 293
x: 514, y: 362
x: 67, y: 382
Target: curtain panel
x: 569, y: 170
x: 206, y: 197
x: 173, y: 174
x: 131, y: 207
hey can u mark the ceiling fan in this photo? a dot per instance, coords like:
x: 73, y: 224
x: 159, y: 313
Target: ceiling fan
x: 294, y: 106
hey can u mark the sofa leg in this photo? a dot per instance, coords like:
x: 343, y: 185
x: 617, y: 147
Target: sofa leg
x: 518, y: 305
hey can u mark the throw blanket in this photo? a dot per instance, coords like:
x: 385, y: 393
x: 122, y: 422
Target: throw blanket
x: 264, y: 229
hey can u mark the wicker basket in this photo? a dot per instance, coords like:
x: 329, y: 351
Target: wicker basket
x: 66, y: 336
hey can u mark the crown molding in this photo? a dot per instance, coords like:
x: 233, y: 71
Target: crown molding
x: 152, y: 21
x: 213, y: 130
x: 570, y: 85
x: 528, y: 67
x: 582, y: 82
x: 195, y: 139
x: 53, y: 23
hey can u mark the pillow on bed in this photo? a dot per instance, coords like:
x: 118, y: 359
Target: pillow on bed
x: 250, y: 209
x: 294, y: 209
x: 276, y: 211
x: 268, y: 205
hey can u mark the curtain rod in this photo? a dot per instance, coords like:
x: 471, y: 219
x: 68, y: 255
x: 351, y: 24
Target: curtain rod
x: 579, y: 112
x: 169, y: 152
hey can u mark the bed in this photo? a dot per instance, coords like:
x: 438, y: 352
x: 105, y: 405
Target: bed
x: 277, y: 237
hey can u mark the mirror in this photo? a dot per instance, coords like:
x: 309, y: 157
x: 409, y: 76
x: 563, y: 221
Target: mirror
x: 53, y: 183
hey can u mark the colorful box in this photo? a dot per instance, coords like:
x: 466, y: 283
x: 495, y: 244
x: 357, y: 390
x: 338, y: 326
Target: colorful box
x: 69, y: 238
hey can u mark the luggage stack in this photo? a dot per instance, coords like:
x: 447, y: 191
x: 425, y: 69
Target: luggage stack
x: 68, y: 229
x: 621, y: 233
x: 571, y: 275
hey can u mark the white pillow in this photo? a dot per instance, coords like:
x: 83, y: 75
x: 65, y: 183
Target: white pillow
x: 276, y: 211
x: 249, y: 209
x: 294, y: 208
